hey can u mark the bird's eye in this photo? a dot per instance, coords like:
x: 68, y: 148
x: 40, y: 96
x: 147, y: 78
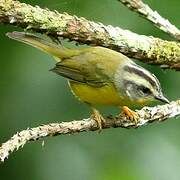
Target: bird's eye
x: 145, y: 90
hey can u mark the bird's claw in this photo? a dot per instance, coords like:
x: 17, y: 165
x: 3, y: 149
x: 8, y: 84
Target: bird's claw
x: 130, y: 114
x: 98, y: 118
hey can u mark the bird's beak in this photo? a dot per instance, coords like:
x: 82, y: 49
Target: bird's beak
x: 162, y: 98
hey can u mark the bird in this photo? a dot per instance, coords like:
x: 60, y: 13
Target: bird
x: 100, y: 76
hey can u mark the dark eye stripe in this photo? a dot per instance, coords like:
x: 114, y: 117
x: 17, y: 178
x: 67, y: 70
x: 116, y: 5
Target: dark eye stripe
x: 140, y: 87
x: 136, y: 70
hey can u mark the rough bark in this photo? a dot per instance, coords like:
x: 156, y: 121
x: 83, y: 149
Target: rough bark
x: 146, y: 115
x: 146, y: 48
x: 153, y: 16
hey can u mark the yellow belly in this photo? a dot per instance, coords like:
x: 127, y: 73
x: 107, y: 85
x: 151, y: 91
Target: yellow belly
x: 106, y: 95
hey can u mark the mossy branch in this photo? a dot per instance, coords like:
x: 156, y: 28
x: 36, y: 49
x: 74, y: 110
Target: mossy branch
x: 146, y: 115
x: 153, y: 16
x: 146, y: 48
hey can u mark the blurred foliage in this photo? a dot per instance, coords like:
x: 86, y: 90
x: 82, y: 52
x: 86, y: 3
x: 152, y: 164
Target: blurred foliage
x: 30, y: 95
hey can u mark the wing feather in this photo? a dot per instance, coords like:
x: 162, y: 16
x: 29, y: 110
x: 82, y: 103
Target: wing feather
x: 92, y: 66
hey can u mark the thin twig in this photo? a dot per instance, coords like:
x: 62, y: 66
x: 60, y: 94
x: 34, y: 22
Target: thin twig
x: 147, y: 115
x: 152, y: 16
x: 146, y: 48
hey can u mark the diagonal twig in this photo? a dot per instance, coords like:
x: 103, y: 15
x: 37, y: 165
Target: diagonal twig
x: 146, y: 115
x: 146, y: 48
x: 152, y: 16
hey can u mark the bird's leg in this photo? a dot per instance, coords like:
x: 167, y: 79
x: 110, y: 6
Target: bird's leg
x: 130, y: 114
x: 98, y: 118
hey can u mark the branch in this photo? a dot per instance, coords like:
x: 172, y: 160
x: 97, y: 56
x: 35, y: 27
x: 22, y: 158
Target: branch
x: 152, y: 16
x: 146, y: 48
x: 147, y: 115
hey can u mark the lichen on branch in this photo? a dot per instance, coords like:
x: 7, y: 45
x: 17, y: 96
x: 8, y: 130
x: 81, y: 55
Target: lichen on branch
x: 146, y: 115
x: 146, y: 48
x: 152, y: 16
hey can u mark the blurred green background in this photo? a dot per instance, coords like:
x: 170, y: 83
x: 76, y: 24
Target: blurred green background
x: 30, y: 95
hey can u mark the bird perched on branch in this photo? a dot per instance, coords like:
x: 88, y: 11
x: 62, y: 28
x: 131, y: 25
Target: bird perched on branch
x: 100, y: 76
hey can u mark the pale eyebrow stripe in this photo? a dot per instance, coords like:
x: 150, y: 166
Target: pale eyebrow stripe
x: 136, y: 70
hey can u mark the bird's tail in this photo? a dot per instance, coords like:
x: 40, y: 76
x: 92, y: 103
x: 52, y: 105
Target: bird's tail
x: 58, y: 52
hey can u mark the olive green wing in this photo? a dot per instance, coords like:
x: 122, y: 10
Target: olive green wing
x: 84, y: 68
x: 78, y: 76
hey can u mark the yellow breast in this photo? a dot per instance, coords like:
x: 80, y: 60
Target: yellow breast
x: 106, y: 95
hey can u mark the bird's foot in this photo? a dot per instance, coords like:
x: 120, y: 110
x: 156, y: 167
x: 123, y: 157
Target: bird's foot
x: 130, y: 114
x: 98, y: 118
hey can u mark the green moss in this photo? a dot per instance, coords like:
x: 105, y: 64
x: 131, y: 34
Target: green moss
x: 6, y: 4
x: 165, y: 52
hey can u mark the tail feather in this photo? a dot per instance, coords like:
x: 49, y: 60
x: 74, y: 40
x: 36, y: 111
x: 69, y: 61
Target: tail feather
x: 58, y: 52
